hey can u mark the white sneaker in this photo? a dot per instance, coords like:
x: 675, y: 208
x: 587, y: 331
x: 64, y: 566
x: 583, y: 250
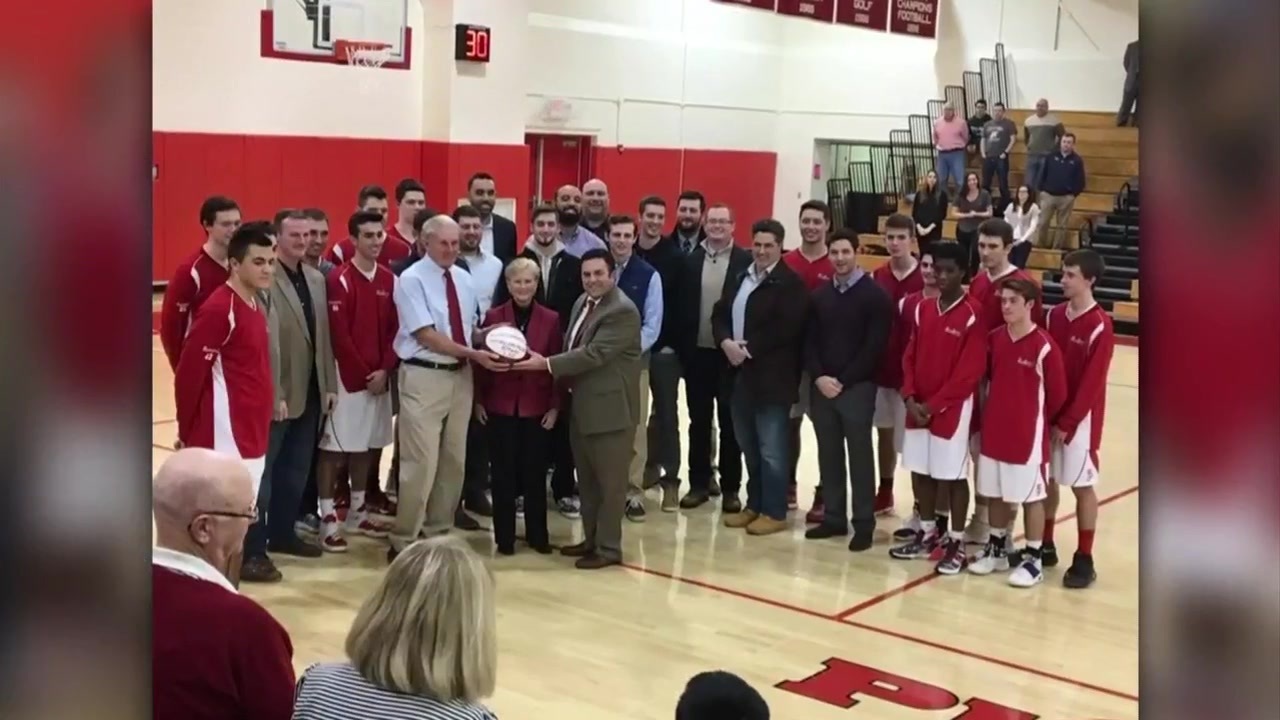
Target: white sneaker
x: 909, y: 528
x: 977, y: 532
x: 331, y: 535
x: 570, y: 507
x: 1028, y: 574
x: 989, y: 560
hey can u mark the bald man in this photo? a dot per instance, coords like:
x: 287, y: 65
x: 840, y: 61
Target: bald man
x: 215, y: 653
x: 595, y: 207
x: 575, y: 238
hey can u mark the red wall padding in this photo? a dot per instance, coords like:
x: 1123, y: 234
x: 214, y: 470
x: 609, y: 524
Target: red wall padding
x: 266, y: 173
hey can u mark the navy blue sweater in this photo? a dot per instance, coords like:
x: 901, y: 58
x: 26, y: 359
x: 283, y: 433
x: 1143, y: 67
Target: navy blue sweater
x: 1062, y: 174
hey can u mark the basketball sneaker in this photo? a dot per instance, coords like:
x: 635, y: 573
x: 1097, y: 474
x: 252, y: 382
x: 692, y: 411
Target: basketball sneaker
x: 1028, y: 574
x: 331, y: 532
x: 953, y: 557
x: 308, y: 524
x: 921, y: 547
x: 818, y: 512
x: 884, y: 502
x: 362, y: 523
x: 1049, y: 555
x: 991, y: 558
x: 910, y: 527
x: 570, y: 507
x: 1081, y: 573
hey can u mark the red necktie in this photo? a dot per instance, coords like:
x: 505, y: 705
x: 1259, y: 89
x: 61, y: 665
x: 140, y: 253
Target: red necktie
x: 586, y: 315
x: 455, y: 309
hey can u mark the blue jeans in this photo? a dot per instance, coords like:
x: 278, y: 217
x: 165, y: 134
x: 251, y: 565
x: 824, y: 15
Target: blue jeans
x: 290, y: 452
x: 763, y: 434
x: 1031, y: 178
x: 951, y: 164
x: 998, y: 168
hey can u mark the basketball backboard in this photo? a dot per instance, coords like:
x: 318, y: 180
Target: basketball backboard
x: 308, y: 30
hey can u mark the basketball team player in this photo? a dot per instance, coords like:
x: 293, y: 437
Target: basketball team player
x: 899, y: 277
x: 411, y: 199
x: 995, y: 238
x: 197, y: 277
x: 1082, y: 331
x: 905, y: 321
x: 362, y: 324
x: 1027, y: 389
x: 222, y: 382
x: 941, y: 368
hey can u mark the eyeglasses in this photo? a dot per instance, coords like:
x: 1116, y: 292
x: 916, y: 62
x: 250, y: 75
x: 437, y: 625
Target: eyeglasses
x: 251, y: 515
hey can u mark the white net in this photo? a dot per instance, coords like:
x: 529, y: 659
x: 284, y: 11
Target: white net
x: 367, y: 57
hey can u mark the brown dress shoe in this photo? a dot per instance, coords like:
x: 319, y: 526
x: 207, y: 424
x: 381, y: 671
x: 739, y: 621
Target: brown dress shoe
x: 595, y: 562
x: 765, y: 525
x: 578, y: 550
x: 740, y: 520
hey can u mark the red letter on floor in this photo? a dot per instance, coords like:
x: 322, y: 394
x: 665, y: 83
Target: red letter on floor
x: 842, y: 680
x: 977, y: 709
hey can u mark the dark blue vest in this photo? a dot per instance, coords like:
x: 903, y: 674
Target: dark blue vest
x: 634, y: 282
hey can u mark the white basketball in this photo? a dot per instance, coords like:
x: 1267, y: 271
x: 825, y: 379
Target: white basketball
x: 507, y: 342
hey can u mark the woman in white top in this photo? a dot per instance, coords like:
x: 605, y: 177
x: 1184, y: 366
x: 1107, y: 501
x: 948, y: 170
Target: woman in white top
x: 423, y: 646
x: 1024, y: 215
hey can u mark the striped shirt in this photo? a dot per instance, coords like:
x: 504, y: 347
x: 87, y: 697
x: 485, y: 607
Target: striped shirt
x: 335, y: 691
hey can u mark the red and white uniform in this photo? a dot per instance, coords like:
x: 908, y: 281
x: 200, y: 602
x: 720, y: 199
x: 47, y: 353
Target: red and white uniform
x: 394, y: 249
x: 223, y: 385
x: 362, y: 323
x: 890, y: 411
x: 944, y: 360
x: 1027, y: 391
x: 814, y: 273
x: 1087, y: 342
x: 985, y: 288
x: 192, y: 283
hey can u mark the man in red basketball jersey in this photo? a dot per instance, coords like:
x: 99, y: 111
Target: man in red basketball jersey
x: 372, y: 198
x: 941, y: 367
x: 1083, y: 332
x: 899, y: 277
x: 362, y: 324
x: 813, y: 264
x: 1027, y: 389
x: 198, y: 276
x: 223, y: 382
x: 905, y: 325
x: 411, y: 199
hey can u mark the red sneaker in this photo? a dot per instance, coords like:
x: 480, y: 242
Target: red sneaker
x: 884, y: 502
x: 818, y: 512
x: 342, y: 497
x: 331, y: 535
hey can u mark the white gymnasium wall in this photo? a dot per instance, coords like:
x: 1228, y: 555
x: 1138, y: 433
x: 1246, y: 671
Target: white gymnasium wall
x: 208, y: 76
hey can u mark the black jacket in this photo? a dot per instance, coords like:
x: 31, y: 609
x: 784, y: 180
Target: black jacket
x: 773, y: 327
x: 665, y: 257
x: 565, y: 285
x: 684, y: 314
x: 504, y: 239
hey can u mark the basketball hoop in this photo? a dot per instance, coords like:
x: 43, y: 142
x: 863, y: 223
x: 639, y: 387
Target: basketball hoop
x: 369, y: 55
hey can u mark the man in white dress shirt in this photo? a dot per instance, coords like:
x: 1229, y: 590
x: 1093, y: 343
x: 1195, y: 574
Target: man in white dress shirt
x: 438, y: 309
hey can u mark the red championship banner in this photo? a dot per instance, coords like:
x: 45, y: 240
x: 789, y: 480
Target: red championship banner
x: 914, y: 17
x: 823, y: 10
x: 760, y: 4
x: 870, y: 14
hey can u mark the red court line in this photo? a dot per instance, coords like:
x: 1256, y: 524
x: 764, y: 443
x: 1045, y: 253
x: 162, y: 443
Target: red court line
x: 158, y: 446
x: 729, y: 591
x: 872, y: 602
x: 162, y: 422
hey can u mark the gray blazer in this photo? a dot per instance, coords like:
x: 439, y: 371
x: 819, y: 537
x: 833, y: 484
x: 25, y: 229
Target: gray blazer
x: 603, y: 372
x: 292, y: 350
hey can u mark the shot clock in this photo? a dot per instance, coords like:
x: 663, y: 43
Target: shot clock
x: 471, y: 43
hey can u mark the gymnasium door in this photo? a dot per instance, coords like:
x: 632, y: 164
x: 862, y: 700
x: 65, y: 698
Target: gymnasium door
x: 556, y: 160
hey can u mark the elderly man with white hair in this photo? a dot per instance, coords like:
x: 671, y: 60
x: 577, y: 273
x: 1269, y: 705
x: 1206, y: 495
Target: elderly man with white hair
x: 215, y: 653
x: 438, y: 309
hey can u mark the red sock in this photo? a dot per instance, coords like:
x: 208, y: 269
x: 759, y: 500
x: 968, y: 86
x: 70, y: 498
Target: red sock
x: 1048, y: 530
x: 1086, y: 542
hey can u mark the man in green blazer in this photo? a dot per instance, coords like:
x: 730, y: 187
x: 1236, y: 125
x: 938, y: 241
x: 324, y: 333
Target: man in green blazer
x: 601, y: 369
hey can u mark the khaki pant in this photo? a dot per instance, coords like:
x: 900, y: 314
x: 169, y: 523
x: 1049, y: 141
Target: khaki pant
x: 435, y: 410
x: 1055, y: 213
x: 602, y: 486
x: 640, y: 448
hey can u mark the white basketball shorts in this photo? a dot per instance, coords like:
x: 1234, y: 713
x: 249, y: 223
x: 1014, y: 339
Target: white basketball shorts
x: 1075, y: 464
x: 939, y: 458
x: 891, y: 412
x: 1012, y: 483
x: 360, y: 422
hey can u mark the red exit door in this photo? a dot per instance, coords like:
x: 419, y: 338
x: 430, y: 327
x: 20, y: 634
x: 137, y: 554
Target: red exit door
x: 557, y: 160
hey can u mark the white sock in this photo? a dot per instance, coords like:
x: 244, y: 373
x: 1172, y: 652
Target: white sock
x: 928, y: 526
x: 326, y: 508
x: 955, y: 534
x: 998, y: 532
x: 1033, y: 544
x: 357, y: 501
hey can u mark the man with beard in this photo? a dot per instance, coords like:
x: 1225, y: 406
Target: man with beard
x: 689, y: 233
x: 559, y: 286
x: 498, y: 236
x: 317, y: 241
x: 575, y: 238
x: 595, y: 207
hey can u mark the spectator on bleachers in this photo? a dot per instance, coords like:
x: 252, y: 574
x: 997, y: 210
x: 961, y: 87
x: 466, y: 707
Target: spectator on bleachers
x: 998, y: 137
x: 1129, y: 103
x: 1062, y: 180
x: 720, y: 695
x: 950, y: 138
x: 1024, y: 216
x: 928, y: 210
x: 1041, y: 133
x: 977, y: 122
x: 422, y: 647
x: 972, y: 206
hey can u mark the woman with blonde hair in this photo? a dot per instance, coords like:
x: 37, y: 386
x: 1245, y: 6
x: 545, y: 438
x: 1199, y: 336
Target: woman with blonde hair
x: 422, y: 647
